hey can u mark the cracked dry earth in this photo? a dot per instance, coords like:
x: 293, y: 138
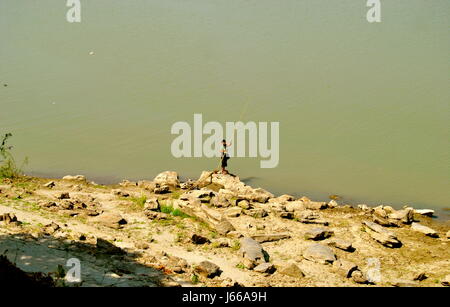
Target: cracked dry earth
x: 167, y: 233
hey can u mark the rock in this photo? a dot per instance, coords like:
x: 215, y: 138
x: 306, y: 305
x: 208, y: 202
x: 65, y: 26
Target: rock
x: 309, y: 217
x: 424, y: 229
x: 120, y: 193
x: 316, y: 205
x: 420, y: 276
x: 406, y: 215
x: 8, y: 218
x: 261, y: 238
x: 344, y: 268
x: 446, y: 281
x: 188, y: 185
x: 332, y: 204
x: 286, y: 215
x: 365, y: 208
x: 51, y: 228
x: 146, y: 185
x: 63, y: 195
x: 448, y: 234
x: 319, y: 253
x: 168, y: 178
x: 224, y: 227
x: 162, y: 190
x: 155, y: 215
x: 203, y: 195
x: 112, y: 220
x: 382, y: 235
x: 244, y: 204
x: 152, y: 204
x: 295, y: 206
x: 50, y: 184
x: 292, y: 270
x: 75, y: 178
x: 358, y: 277
x: 379, y: 210
x: 198, y: 239
x: 265, y: 268
x: 261, y: 196
x: 141, y: 245
x: 256, y: 212
x: 384, y: 222
x: 127, y: 183
x: 318, y: 234
x: 342, y: 244
x: 233, y: 212
x: 425, y: 212
x: 221, y: 242
x: 207, y: 269
x: 252, y: 252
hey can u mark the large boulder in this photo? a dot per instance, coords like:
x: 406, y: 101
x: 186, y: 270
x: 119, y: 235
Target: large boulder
x: 406, y: 215
x: 112, y: 220
x: 319, y: 253
x: 207, y: 269
x: 252, y: 253
x: 167, y: 178
x: 424, y: 229
x: 382, y: 235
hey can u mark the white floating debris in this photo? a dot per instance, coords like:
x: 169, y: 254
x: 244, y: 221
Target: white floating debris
x: 91, y: 53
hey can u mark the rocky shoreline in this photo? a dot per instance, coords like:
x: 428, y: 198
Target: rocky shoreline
x: 213, y: 231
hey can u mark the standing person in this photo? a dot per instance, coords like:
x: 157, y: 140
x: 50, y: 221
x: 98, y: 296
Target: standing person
x: 224, y: 156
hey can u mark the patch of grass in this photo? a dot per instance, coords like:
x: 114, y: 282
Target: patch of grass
x: 236, y: 245
x: 213, y: 234
x: 176, y: 194
x: 194, y: 279
x: 168, y: 209
x: 240, y: 266
x: 139, y: 202
x: 8, y: 167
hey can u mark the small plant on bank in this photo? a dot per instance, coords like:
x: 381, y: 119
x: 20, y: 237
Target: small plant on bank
x: 8, y: 167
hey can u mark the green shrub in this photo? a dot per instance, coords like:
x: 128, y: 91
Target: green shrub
x: 8, y: 167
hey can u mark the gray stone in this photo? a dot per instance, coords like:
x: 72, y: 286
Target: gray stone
x: 344, y: 268
x: 264, y: 268
x: 224, y: 227
x: 342, y: 244
x: 252, y: 252
x: 50, y: 184
x: 319, y: 253
x: 233, y: 212
x: 207, y: 269
x: 112, y: 220
x: 317, y: 234
x: 424, y: 229
x: 382, y: 235
x: 292, y: 270
x: 359, y: 277
x: 168, y: 178
x: 425, y: 212
x: 152, y: 204
x: 261, y: 238
x: 406, y: 215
